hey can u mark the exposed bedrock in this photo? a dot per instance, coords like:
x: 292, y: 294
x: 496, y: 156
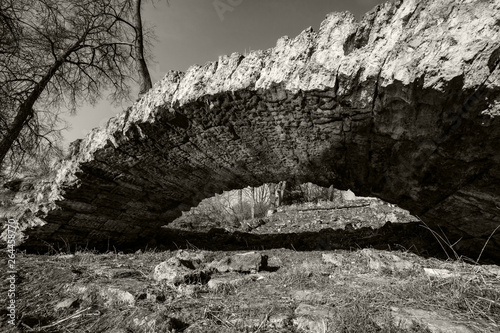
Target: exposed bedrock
x: 403, y: 105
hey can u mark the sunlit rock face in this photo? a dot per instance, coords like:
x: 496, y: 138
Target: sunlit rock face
x: 403, y: 105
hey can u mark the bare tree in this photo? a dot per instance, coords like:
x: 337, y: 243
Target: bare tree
x: 55, y: 53
x: 259, y: 199
x: 283, y: 188
x: 142, y: 68
x: 129, y: 12
x: 311, y: 192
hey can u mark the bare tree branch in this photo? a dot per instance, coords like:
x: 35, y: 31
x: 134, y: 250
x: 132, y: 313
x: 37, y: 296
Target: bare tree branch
x: 54, y: 53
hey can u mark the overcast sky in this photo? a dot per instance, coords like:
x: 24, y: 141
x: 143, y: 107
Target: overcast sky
x: 197, y: 31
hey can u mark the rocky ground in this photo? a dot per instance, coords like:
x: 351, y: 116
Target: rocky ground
x: 274, y: 290
x: 311, y: 217
x: 247, y: 283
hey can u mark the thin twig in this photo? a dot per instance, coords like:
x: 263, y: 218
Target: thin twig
x: 73, y: 316
x: 189, y: 244
x: 487, y: 241
x: 488, y: 300
x: 266, y: 318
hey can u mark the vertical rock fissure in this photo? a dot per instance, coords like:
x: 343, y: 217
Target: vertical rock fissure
x: 238, y: 62
x: 337, y: 84
x: 407, y: 18
x: 375, y: 94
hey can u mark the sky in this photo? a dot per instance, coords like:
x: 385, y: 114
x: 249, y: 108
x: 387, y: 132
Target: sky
x: 192, y: 32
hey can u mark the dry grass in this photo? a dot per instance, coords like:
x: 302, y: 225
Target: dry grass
x: 359, y: 297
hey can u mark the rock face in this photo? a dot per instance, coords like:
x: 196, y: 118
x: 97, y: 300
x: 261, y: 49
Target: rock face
x: 403, y: 105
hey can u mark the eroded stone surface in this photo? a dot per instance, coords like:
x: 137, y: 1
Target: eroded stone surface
x: 403, y: 105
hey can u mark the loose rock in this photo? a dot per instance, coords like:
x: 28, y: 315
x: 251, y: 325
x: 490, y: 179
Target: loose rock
x: 436, y: 323
x: 332, y: 258
x: 67, y: 303
x: 312, y: 319
x: 176, y: 271
x: 250, y: 262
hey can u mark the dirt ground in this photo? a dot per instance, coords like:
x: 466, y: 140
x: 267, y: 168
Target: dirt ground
x: 317, y: 291
x: 240, y: 286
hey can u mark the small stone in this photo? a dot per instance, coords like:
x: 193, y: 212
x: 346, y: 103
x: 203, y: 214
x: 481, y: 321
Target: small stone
x: 435, y: 322
x: 144, y: 321
x: 380, y: 260
x: 332, y: 258
x: 172, y: 271
x: 190, y: 290
x: 305, y: 324
x: 195, y: 258
x: 402, y: 265
x: 65, y: 304
x: 109, y: 294
x: 439, y: 273
x: 117, y: 296
x: 250, y: 262
x: 279, y: 320
x: 65, y: 256
x: 274, y: 262
x: 312, y: 318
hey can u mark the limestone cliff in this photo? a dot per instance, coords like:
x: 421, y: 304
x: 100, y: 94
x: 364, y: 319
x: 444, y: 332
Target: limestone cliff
x: 403, y: 105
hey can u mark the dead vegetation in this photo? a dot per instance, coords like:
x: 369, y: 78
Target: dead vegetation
x: 361, y: 290
x: 335, y: 291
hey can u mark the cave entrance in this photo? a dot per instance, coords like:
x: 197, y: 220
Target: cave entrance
x: 304, y: 217
x: 287, y: 207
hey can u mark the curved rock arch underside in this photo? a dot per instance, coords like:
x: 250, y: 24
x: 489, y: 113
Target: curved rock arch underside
x: 403, y: 105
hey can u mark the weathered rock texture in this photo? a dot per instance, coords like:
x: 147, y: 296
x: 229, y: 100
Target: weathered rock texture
x: 403, y: 105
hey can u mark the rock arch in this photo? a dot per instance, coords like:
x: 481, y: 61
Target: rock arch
x: 403, y: 105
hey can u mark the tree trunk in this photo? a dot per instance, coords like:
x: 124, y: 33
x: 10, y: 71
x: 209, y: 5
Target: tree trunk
x: 252, y: 207
x: 142, y: 68
x: 281, y: 192
x: 272, y: 196
x: 26, y: 108
x: 240, y: 203
x: 25, y: 111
